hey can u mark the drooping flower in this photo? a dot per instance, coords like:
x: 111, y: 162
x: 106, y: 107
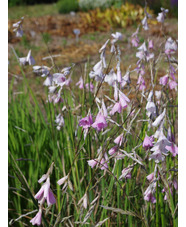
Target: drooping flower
x: 102, y: 55
x: 100, y: 122
x: 173, y: 149
x: 151, y: 45
x: 126, y: 173
x: 113, y: 150
x: 164, y: 80
x: 161, y: 16
x: 159, y: 119
x: 29, y: 60
x: 37, y: 219
x: 60, y: 121
x: 80, y: 83
x: 97, y: 72
x: 90, y: 86
x: 150, y: 177
x: 92, y: 163
x: 147, y: 143
x: 46, y: 193
x: 18, y: 28
x: 141, y: 83
x: 172, y: 84
x: 86, y: 122
x: 170, y: 46
x: 119, y: 140
x: 149, y: 193
x: 62, y: 180
x: 116, y: 108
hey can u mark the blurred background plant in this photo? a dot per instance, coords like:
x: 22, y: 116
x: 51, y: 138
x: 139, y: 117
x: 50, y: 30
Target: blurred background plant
x: 66, y: 6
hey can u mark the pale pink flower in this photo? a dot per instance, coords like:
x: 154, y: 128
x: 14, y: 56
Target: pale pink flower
x: 147, y: 143
x: 170, y: 135
x: 159, y: 119
x: 164, y: 80
x: 60, y: 121
x: 170, y: 46
x: 135, y: 41
x: 150, y: 177
x: 97, y: 72
x: 173, y: 149
x: 144, y: 23
x: 149, y: 193
x: 100, y: 122
x: 151, y: 45
x: 37, y: 219
x: 113, y: 150
x: 92, y: 163
x: 141, y: 83
x: 104, y: 164
x: 80, y: 83
x: 46, y: 193
x: 126, y: 173
x: 161, y: 16
x: 116, y: 108
x: 86, y: 122
x: 62, y: 180
x: 119, y: 140
x: 18, y: 28
x: 90, y: 86
x: 172, y: 84
x: 59, y: 79
x: 28, y: 60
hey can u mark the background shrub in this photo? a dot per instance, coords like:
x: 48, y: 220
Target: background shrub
x: 66, y: 6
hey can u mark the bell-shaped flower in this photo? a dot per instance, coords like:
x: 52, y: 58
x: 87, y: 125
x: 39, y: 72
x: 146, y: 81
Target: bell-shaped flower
x: 100, y: 122
x: 86, y: 122
x: 172, y: 84
x: 170, y: 135
x: 46, y: 193
x: 173, y: 149
x: 60, y: 121
x: 92, y: 163
x: 111, y: 77
x: 164, y: 80
x: 149, y: 193
x: 102, y: 55
x: 116, y: 108
x: 141, y: 83
x: 161, y: 16
x: 97, y: 72
x: 18, y: 28
x: 113, y: 150
x: 150, y: 177
x: 119, y: 140
x: 151, y: 45
x: 89, y: 87
x: 159, y: 119
x: 62, y: 180
x: 145, y: 24
x: 28, y: 60
x: 170, y: 46
x: 59, y: 79
x: 80, y: 83
x: 147, y: 142
x: 126, y: 173
x: 37, y: 219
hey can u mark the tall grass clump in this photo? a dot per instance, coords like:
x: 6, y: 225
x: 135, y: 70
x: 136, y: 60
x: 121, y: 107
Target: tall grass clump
x: 102, y: 149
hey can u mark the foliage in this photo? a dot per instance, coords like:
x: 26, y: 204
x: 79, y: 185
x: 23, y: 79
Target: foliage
x: 67, y: 6
x: 124, y: 16
x: 27, y: 2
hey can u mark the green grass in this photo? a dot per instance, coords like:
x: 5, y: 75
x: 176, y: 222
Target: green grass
x: 38, y: 10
